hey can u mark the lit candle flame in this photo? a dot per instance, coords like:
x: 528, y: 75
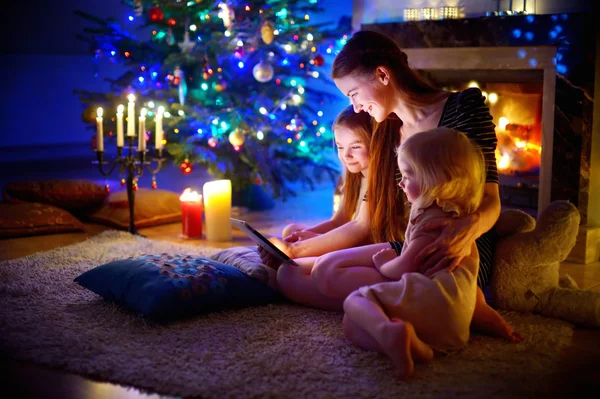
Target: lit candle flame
x: 99, y: 112
x: 190, y: 196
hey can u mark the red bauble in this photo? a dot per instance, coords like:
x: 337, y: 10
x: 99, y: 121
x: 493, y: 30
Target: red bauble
x: 123, y: 182
x: 107, y: 188
x: 319, y: 60
x: 156, y: 14
x: 154, y: 185
x: 186, y: 167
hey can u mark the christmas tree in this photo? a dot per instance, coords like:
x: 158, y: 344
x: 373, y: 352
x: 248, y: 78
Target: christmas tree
x: 238, y: 85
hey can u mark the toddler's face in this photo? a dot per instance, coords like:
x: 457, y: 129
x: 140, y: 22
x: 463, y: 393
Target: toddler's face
x: 352, y: 152
x: 408, y: 183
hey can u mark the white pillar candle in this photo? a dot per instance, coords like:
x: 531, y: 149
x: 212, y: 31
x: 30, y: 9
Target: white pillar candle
x: 120, y: 138
x: 99, y: 132
x: 159, y: 128
x: 142, y: 131
x: 217, y: 210
x: 131, y: 116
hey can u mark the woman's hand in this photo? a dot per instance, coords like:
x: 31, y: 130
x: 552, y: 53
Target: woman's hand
x: 454, y: 243
x: 300, y: 235
x: 383, y: 256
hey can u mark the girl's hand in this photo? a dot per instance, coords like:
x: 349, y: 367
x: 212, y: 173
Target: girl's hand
x: 268, y: 260
x: 300, y: 235
x: 383, y: 256
x: 454, y: 243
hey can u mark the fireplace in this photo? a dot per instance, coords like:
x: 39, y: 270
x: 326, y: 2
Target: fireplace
x: 521, y: 101
x: 545, y: 73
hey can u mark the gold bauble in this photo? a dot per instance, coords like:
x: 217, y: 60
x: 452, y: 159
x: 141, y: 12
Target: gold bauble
x: 236, y: 138
x: 266, y: 32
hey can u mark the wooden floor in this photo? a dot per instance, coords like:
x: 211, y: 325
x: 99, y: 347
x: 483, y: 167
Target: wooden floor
x: 580, y: 366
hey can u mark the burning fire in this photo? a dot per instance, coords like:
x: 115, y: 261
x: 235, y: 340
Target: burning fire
x: 516, y: 151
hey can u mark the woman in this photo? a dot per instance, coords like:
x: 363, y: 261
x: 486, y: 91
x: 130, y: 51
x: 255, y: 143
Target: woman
x: 373, y: 72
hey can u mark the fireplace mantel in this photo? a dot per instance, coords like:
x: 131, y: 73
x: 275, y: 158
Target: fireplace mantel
x: 503, y: 58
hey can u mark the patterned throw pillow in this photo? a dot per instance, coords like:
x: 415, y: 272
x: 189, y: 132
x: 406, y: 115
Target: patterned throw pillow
x: 29, y: 219
x: 75, y: 196
x: 165, y: 287
x: 151, y: 208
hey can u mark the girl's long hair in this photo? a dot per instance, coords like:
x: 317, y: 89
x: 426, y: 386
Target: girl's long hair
x: 363, y: 126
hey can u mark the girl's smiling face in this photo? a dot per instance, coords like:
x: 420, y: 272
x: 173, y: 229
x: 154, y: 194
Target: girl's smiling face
x: 352, y: 151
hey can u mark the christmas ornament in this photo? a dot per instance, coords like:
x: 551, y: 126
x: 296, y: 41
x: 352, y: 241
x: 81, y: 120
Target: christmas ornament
x: 156, y: 14
x: 236, y: 138
x: 107, y: 188
x: 227, y: 15
x: 123, y: 182
x: 170, y: 37
x: 186, y: 167
x: 262, y: 72
x: 154, y: 185
x: 220, y: 86
x: 138, y: 10
x: 179, y: 80
x: 266, y: 33
x: 186, y: 45
x: 89, y: 114
x: 319, y: 60
x: 212, y: 142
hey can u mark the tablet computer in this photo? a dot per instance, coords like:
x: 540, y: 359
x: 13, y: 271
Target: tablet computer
x: 261, y: 240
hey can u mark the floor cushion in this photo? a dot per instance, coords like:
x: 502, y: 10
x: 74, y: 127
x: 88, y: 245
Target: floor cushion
x: 31, y: 218
x: 75, y: 196
x: 151, y: 208
x: 166, y: 287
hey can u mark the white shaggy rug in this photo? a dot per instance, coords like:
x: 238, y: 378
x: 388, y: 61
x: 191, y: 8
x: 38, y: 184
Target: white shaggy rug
x: 278, y: 350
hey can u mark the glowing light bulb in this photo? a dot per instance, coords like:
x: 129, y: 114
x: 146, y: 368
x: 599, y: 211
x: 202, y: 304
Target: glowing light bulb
x: 493, y: 98
x: 502, y: 122
x: 473, y: 84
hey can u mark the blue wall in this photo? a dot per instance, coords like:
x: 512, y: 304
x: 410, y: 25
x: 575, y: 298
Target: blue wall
x: 42, y: 62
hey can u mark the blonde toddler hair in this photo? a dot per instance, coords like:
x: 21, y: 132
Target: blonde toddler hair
x: 448, y: 167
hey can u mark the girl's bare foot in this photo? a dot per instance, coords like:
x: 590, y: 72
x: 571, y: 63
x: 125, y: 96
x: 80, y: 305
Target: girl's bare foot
x: 403, y: 347
x: 487, y: 320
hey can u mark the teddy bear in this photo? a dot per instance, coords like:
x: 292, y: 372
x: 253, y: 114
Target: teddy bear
x: 528, y: 254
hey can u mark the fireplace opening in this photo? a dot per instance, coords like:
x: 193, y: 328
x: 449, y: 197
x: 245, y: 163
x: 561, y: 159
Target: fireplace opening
x: 514, y: 98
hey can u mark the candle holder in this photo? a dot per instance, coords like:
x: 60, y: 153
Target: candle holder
x: 134, y: 166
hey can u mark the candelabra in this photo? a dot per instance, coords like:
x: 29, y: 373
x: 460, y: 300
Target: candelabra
x: 134, y: 166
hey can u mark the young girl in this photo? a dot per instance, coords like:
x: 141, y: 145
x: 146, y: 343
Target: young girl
x: 358, y: 221
x: 352, y: 133
x: 443, y: 176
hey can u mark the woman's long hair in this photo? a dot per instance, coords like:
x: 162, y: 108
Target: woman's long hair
x: 363, y: 126
x: 385, y: 200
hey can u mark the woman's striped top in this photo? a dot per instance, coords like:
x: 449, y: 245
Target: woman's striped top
x: 466, y: 111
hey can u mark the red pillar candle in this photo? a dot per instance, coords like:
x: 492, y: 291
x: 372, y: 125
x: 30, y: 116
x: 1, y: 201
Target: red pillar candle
x: 191, y: 214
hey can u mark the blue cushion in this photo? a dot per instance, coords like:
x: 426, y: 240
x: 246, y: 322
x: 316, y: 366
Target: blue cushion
x: 170, y: 286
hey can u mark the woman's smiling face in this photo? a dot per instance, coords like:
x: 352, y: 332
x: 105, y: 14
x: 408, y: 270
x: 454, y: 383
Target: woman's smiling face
x: 368, y: 95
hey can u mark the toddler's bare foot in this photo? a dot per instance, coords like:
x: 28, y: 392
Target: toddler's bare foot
x: 487, y: 320
x: 403, y: 347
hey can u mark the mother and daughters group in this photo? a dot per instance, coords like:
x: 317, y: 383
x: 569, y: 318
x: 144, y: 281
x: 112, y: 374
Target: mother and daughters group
x: 409, y: 252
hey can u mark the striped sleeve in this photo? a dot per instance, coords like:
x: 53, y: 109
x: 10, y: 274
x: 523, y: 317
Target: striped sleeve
x: 466, y: 111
